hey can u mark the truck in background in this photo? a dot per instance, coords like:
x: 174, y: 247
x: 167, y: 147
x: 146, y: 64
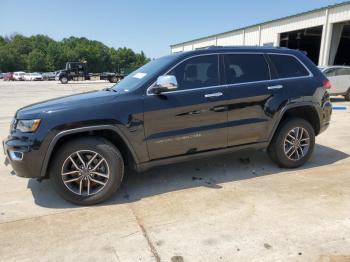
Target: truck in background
x: 77, y: 71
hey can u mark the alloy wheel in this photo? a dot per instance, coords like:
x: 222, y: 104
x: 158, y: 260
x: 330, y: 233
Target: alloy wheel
x: 296, y: 143
x: 85, y: 172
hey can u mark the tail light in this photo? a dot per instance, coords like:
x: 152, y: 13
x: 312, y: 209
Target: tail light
x: 327, y: 84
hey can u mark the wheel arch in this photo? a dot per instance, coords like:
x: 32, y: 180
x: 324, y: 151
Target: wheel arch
x: 305, y: 111
x: 111, y: 133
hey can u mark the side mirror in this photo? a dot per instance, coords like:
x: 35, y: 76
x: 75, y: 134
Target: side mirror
x: 164, y: 84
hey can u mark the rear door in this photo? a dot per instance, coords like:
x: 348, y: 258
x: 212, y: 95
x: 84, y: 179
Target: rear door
x: 192, y: 118
x: 250, y: 89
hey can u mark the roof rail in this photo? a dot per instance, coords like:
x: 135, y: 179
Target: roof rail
x: 244, y: 46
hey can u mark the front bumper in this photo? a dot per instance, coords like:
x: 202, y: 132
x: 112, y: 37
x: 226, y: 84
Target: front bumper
x: 21, y: 155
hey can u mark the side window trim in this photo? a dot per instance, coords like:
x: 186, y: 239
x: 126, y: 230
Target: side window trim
x: 273, y: 70
x: 220, y: 69
x: 268, y: 65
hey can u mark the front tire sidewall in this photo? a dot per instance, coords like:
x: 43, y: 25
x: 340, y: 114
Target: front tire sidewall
x: 64, y: 80
x: 113, y: 79
x: 106, y: 150
x: 276, y: 149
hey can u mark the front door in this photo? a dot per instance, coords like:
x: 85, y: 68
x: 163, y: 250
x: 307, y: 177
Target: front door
x: 192, y: 118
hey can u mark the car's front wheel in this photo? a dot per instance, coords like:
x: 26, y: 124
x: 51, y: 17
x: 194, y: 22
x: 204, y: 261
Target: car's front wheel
x: 113, y: 79
x: 64, y: 80
x: 87, y: 171
x: 293, y: 143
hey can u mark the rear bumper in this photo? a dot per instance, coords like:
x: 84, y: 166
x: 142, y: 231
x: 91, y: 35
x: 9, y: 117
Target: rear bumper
x: 25, y: 161
x: 325, y: 114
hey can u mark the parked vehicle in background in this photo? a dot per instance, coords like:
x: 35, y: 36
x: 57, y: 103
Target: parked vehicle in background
x: 175, y: 108
x: 33, y: 77
x: 18, y: 76
x: 2, y: 75
x: 47, y: 76
x: 340, y: 80
x: 8, y: 76
x: 77, y: 71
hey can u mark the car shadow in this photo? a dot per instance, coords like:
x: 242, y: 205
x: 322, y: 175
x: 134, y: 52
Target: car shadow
x: 208, y: 172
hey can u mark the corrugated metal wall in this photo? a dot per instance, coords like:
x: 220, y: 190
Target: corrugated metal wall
x: 233, y: 38
x: 268, y: 33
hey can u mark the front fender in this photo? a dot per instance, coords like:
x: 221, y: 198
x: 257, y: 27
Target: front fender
x: 78, y: 130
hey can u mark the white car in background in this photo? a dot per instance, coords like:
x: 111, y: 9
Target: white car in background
x: 340, y: 80
x: 18, y: 76
x: 33, y: 77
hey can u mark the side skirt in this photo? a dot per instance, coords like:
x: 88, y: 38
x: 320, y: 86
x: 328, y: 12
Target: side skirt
x: 188, y: 157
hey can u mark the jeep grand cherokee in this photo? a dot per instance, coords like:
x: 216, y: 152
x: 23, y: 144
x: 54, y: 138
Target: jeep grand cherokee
x: 175, y: 108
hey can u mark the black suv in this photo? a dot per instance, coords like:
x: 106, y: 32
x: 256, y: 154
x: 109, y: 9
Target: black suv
x: 175, y: 108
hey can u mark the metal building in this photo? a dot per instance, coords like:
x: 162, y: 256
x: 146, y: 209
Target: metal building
x: 324, y: 34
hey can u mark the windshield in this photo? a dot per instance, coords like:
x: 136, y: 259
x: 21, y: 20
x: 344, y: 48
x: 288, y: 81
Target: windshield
x: 144, y: 74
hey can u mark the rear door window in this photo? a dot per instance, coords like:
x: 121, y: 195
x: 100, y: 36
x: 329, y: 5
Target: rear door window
x: 243, y: 68
x: 288, y: 66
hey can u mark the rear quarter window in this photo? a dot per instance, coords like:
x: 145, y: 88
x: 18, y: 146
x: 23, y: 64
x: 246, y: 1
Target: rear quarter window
x: 288, y: 66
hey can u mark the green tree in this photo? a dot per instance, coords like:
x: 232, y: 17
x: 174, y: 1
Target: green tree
x: 36, y: 61
x: 42, y: 53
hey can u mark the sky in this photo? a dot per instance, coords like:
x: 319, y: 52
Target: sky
x: 150, y: 26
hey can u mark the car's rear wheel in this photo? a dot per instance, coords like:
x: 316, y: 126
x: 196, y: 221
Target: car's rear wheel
x: 347, y: 95
x: 87, y: 171
x: 293, y: 143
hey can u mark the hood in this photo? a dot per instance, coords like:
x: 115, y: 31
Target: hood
x: 66, y: 102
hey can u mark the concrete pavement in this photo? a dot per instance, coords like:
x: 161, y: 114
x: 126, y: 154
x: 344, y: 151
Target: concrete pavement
x: 237, y: 207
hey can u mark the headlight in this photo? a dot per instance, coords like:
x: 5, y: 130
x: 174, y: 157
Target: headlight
x: 26, y: 126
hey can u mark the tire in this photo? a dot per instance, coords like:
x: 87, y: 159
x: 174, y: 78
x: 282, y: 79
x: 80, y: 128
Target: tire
x: 347, y: 95
x: 113, y: 79
x: 77, y: 192
x: 287, y: 152
x: 64, y: 80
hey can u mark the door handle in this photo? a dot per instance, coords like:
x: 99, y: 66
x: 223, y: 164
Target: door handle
x: 275, y: 87
x: 213, y: 95
x: 219, y: 109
